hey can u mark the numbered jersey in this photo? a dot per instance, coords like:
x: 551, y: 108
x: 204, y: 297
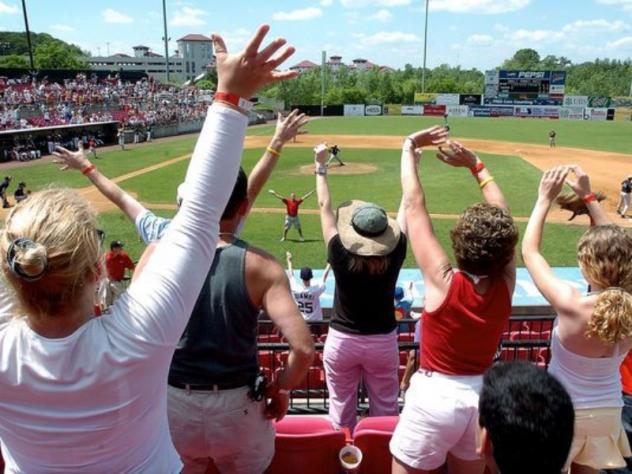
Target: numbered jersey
x: 308, y: 299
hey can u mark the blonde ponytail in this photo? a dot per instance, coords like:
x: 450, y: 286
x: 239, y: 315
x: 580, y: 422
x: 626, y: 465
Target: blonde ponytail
x: 611, y: 320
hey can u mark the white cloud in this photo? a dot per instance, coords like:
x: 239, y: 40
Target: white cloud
x: 622, y: 43
x: 298, y: 15
x: 596, y: 25
x: 110, y: 15
x: 326, y: 3
x: 536, y: 36
x: 6, y: 8
x: 480, y: 40
x: 501, y: 28
x: 385, y: 37
x: 236, y: 39
x: 483, y: 7
x: 382, y: 15
x: 62, y: 28
x: 374, y: 3
x: 625, y: 4
x: 188, y: 16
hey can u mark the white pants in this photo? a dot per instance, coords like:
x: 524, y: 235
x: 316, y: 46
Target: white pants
x: 440, y: 416
x: 624, y: 203
x: 225, y: 426
x: 109, y: 291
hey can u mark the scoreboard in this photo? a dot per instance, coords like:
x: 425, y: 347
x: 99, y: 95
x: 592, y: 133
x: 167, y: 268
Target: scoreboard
x: 525, y: 87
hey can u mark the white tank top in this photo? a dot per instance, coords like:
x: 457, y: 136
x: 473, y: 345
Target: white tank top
x: 592, y: 382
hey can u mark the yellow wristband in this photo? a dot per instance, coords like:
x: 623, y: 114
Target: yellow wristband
x: 272, y: 151
x: 486, y: 181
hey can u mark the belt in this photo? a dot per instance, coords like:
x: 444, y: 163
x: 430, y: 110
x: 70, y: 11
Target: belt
x: 211, y: 387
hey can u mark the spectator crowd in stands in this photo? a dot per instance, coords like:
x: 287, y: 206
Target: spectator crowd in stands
x: 29, y: 102
x: 86, y: 394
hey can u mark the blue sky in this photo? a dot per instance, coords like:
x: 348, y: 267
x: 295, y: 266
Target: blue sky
x: 472, y: 33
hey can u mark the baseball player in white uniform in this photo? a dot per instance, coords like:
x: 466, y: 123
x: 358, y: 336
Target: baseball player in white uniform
x: 306, y: 295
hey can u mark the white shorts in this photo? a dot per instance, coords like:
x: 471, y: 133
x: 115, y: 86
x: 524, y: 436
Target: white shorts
x: 225, y: 426
x: 292, y: 221
x: 440, y: 416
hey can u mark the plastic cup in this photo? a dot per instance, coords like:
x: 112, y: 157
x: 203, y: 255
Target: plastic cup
x: 350, y: 458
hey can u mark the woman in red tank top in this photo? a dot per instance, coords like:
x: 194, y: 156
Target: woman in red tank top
x: 463, y: 319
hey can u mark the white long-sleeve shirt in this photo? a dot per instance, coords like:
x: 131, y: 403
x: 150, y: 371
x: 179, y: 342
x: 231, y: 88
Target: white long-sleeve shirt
x: 96, y: 401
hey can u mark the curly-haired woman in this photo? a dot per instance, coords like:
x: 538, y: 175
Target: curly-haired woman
x: 593, y: 333
x: 463, y: 319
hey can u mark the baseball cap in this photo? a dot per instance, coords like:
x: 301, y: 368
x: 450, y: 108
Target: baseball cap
x: 116, y: 244
x: 366, y: 230
x: 306, y: 273
x: 399, y: 293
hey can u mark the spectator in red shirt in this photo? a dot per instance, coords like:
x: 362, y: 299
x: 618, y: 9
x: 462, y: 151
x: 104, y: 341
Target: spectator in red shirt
x: 291, y: 216
x: 116, y: 262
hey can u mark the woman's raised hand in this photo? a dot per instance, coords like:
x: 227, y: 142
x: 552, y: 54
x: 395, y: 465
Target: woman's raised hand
x: 244, y: 73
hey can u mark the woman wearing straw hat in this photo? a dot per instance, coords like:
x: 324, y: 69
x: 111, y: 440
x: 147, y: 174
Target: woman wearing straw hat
x: 366, y: 250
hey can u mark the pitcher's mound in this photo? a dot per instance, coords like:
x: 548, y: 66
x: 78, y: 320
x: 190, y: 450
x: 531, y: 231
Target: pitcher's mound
x: 348, y: 168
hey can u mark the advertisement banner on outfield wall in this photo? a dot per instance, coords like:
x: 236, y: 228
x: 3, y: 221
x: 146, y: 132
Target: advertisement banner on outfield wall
x: 486, y: 111
x: 425, y: 97
x: 623, y: 113
x: 599, y: 102
x: 539, y: 101
x: 470, y: 99
x: 412, y: 109
x: 354, y: 110
x: 596, y: 113
x: 623, y: 101
x: 576, y: 101
x: 537, y: 112
x: 434, y: 110
x: 373, y: 110
x: 393, y: 109
x: 458, y: 110
x: 448, y: 99
x: 572, y: 113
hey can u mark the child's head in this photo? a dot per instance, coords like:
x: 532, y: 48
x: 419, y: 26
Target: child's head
x: 604, y: 254
x: 398, y: 295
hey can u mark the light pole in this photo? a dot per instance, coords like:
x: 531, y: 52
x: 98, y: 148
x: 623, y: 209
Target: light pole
x: 166, y: 37
x: 28, y: 35
x: 322, y: 84
x: 423, y: 71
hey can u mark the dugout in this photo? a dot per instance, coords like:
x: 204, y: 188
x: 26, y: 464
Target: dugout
x: 63, y: 134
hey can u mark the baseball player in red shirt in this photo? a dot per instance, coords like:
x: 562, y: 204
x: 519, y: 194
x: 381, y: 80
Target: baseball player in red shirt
x: 116, y: 262
x: 291, y: 217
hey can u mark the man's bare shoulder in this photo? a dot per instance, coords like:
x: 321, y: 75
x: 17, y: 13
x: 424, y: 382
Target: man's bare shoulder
x: 263, y: 272
x: 263, y: 264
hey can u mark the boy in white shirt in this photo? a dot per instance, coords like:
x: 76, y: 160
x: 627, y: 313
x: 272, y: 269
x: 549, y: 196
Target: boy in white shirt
x: 306, y: 295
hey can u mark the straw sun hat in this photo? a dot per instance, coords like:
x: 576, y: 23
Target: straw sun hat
x: 366, y: 230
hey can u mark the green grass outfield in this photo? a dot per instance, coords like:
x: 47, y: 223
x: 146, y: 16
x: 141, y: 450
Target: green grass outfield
x: 264, y: 230
x: 603, y: 136
x: 449, y: 190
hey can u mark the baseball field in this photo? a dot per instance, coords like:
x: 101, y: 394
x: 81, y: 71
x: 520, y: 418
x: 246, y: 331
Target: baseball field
x: 515, y: 150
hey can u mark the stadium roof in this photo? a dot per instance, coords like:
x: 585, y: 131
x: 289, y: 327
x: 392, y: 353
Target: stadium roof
x: 304, y: 64
x: 195, y: 37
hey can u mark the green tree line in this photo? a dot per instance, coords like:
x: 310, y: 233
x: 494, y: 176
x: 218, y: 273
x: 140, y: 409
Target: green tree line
x: 599, y: 77
x: 48, y: 52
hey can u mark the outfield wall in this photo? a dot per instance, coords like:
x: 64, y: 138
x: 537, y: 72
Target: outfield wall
x: 525, y: 295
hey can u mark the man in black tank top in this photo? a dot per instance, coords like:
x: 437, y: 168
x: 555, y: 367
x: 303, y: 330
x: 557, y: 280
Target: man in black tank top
x: 212, y: 415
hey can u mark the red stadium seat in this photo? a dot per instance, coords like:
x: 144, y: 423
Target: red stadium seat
x: 322, y: 338
x: 267, y: 359
x: 406, y: 337
x: 306, y: 445
x: 372, y: 436
x: 530, y: 335
x: 269, y: 338
x: 314, y: 380
x: 403, y: 357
